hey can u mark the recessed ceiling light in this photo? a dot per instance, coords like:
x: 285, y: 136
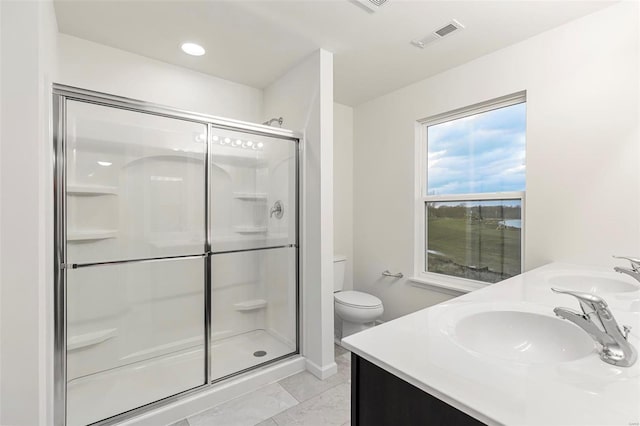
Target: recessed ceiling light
x: 192, y: 49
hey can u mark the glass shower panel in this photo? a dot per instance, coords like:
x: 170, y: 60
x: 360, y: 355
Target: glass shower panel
x: 253, y: 306
x: 253, y: 191
x: 144, y: 311
x: 135, y: 184
x: 135, y: 334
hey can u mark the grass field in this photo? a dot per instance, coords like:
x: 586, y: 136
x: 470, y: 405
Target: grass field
x: 472, y: 248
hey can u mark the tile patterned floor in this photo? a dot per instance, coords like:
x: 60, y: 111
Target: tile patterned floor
x: 301, y: 399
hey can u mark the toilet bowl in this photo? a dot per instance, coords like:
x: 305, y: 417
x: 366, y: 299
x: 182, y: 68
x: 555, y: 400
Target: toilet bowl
x: 355, y: 310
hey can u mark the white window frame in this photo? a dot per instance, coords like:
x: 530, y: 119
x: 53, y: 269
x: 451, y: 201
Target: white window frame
x: 451, y: 284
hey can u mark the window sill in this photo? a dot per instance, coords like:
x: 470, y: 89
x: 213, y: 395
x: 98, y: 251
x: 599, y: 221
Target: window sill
x: 452, y: 286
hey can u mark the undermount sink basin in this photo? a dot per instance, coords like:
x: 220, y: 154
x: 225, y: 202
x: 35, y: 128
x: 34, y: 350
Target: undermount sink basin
x: 592, y: 284
x: 523, y: 337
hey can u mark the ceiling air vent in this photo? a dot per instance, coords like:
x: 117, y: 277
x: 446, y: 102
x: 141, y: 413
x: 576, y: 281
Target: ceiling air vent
x: 445, y: 31
x: 370, y: 5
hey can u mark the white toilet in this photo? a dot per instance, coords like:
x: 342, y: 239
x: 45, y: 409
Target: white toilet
x: 355, y: 310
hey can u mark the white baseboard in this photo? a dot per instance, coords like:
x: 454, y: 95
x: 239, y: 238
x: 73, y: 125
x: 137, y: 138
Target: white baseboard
x: 321, y: 372
x: 219, y: 393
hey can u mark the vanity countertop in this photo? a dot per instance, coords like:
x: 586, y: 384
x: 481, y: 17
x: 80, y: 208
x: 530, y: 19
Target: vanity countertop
x: 423, y: 348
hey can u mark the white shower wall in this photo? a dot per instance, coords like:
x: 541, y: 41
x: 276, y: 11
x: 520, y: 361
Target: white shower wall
x: 135, y: 179
x: 120, y: 315
x: 253, y: 289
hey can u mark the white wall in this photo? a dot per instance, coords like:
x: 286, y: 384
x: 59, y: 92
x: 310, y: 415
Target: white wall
x: 1, y: 138
x: 343, y: 187
x: 304, y: 97
x: 583, y: 178
x: 28, y: 49
x: 104, y: 69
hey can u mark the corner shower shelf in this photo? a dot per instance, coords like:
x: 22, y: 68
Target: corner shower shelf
x: 90, y: 339
x: 250, y: 305
x: 250, y: 196
x: 92, y: 234
x: 250, y: 229
x: 91, y: 190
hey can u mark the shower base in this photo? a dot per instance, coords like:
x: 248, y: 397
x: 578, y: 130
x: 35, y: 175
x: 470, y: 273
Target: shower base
x: 98, y: 396
x: 242, y: 351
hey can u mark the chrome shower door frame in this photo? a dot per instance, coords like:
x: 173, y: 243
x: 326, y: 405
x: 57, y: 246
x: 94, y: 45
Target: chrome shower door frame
x: 62, y: 93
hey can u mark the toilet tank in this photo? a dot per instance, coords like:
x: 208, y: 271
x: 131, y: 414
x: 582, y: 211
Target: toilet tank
x: 339, y: 265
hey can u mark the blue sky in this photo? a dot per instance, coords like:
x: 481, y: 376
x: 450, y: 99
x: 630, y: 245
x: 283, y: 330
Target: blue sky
x: 481, y: 153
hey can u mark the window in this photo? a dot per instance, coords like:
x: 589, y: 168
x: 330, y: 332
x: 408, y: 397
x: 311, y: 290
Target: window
x: 471, y: 195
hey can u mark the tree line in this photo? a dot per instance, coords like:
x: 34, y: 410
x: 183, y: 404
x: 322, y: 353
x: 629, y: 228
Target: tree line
x: 477, y: 212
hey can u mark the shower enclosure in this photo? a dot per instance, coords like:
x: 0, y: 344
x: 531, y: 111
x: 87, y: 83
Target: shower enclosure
x: 176, y: 253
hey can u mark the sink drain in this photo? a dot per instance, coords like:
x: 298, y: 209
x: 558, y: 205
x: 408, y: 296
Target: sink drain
x: 258, y: 354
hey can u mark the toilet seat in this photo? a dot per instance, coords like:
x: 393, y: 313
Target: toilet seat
x: 357, y: 299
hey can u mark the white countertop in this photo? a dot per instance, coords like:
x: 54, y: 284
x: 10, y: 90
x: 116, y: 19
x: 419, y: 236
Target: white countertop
x: 421, y: 348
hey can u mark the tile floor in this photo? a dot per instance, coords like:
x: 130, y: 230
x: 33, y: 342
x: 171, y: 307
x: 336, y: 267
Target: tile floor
x: 301, y: 399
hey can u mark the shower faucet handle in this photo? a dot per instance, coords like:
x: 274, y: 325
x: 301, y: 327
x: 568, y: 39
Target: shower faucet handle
x: 277, y: 210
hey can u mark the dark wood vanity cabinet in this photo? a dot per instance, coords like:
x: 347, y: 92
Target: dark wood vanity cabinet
x: 378, y: 398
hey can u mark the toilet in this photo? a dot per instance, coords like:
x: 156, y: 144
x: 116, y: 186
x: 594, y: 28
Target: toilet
x: 355, y: 310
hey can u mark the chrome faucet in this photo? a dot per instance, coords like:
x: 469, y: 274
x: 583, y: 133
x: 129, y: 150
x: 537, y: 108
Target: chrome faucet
x: 634, y: 271
x: 597, y: 320
x: 277, y: 210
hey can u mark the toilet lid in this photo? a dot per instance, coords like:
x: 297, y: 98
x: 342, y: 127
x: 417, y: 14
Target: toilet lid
x: 357, y: 299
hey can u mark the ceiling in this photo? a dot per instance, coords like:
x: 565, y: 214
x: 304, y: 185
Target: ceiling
x: 255, y: 42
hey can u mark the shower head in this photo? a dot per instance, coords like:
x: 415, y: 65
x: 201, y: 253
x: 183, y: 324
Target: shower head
x: 280, y: 120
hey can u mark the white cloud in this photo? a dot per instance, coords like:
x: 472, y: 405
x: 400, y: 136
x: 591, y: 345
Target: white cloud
x: 435, y: 157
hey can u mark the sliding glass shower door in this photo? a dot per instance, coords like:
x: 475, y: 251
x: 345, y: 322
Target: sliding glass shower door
x: 176, y: 253
x: 254, y: 254
x: 135, y: 246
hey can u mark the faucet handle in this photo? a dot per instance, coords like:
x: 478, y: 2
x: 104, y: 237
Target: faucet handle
x: 587, y: 300
x: 635, y: 262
